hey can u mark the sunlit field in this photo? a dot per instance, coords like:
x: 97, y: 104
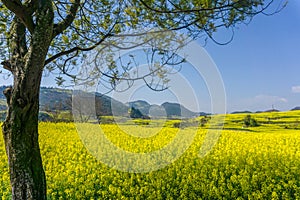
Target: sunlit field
x: 260, y: 162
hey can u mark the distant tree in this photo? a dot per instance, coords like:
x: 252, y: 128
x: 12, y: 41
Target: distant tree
x: 204, y: 121
x: 146, y: 117
x: 250, y: 122
x: 247, y: 120
x: 49, y: 35
x: 135, y: 113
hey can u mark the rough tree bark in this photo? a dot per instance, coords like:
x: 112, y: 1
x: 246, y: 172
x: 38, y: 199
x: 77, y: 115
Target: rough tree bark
x: 20, y: 129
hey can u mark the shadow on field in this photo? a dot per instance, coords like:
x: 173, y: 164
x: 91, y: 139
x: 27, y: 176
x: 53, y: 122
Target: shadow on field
x: 236, y: 129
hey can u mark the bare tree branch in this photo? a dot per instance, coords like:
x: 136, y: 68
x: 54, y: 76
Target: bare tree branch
x: 185, y: 10
x: 63, y: 25
x: 76, y: 49
x: 20, y: 10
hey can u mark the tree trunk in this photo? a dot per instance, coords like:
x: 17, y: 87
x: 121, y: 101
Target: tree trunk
x: 20, y: 129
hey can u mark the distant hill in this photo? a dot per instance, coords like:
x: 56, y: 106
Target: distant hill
x: 157, y: 111
x: 175, y: 109
x: 142, y: 105
x: 241, y: 112
x: 296, y: 108
x: 55, y: 99
x: 272, y: 110
x: 170, y: 110
x: 2, y: 98
x: 52, y: 99
x: 2, y: 104
x: 109, y: 106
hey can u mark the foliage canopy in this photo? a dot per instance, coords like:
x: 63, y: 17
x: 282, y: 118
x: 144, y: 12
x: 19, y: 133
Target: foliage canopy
x: 80, y: 26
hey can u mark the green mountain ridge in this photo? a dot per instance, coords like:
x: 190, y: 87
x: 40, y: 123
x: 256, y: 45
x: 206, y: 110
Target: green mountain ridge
x: 167, y: 109
x: 56, y: 99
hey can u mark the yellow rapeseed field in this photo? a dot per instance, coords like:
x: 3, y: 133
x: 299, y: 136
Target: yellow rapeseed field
x: 246, y: 163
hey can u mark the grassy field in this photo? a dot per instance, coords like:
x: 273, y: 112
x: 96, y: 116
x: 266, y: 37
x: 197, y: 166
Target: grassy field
x: 246, y: 163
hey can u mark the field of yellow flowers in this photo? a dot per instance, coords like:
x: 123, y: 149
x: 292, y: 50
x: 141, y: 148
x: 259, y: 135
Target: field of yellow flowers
x: 246, y: 163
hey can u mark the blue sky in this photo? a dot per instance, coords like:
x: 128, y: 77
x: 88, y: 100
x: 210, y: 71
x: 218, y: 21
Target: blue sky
x: 260, y: 67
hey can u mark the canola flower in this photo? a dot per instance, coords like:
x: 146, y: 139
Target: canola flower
x: 252, y: 164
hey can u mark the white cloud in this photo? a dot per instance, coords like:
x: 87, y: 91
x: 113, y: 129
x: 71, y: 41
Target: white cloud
x: 283, y: 100
x: 296, y: 89
x: 269, y: 99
